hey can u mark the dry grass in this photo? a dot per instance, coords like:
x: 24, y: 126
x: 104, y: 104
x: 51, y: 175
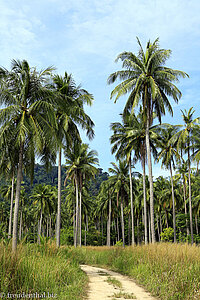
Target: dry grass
x: 169, y: 271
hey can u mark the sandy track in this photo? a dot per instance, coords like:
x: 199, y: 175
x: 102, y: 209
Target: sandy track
x: 100, y: 288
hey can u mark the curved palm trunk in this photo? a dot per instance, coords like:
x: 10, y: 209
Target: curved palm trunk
x: 17, y: 198
x: 11, y: 206
x: 59, y: 201
x: 132, y: 213
x: 145, y: 202
x: 173, y: 203
x: 150, y: 181
x: 190, y: 196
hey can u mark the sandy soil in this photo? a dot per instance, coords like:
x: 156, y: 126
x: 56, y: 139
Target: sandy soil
x: 106, y: 284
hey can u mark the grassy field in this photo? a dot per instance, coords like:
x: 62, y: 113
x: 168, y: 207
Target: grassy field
x: 40, y: 270
x: 168, y: 271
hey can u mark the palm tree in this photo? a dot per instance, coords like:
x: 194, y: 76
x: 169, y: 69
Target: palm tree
x: 184, y: 137
x: 25, y: 118
x: 80, y: 165
x: 130, y: 136
x: 121, y: 141
x: 42, y: 196
x: 169, y: 155
x: 69, y: 113
x: 182, y: 172
x: 120, y: 179
x: 148, y: 81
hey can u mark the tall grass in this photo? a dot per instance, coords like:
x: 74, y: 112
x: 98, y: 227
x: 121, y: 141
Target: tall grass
x: 169, y: 271
x: 40, y: 269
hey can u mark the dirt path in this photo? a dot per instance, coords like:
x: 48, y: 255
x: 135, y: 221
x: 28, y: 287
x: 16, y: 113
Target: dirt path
x: 105, y: 284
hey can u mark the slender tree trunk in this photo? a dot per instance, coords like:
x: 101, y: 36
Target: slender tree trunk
x: 74, y: 221
x: 132, y: 212
x: 173, y: 203
x: 117, y: 229
x: 11, y: 206
x: 145, y: 201
x: 59, y: 200
x: 108, y: 223
x: 17, y: 198
x: 190, y: 195
x: 20, y: 226
x: 122, y: 220
x: 80, y: 216
x: 138, y: 230
x: 150, y: 179
x: 184, y: 195
x: 196, y: 223
x: 76, y: 227
x: 129, y: 227
x: 149, y: 227
x: 102, y: 229
x: 158, y: 228
x: 40, y: 226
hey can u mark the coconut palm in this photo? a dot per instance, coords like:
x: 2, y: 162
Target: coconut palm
x: 130, y: 137
x: 42, y: 196
x: 182, y: 172
x: 26, y: 118
x: 169, y: 155
x: 148, y: 81
x: 80, y: 165
x: 120, y: 179
x: 69, y: 113
x: 184, y: 138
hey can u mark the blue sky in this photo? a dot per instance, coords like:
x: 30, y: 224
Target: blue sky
x: 84, y: 38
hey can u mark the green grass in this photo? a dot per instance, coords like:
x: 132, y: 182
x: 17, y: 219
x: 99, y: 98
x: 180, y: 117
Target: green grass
x: 114, y: 282
x: 41, y: 269
x: 168, y: 271
x: 123, y: 295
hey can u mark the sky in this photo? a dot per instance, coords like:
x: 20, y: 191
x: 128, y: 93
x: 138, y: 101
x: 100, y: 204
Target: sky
x: 83, y: 37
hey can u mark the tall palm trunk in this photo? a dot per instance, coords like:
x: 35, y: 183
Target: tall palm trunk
x: 76, y: 224
x: 59, y: 200
x: 17, y: 198
x: 131, y: 194
x: 11, y: 206
x: 122, y: 220
x: 145, y: 201
x: 40, y: 226
x: 190, y: 196
x: 150, y: 179
x: 20, y: 226
x: 184, y: 196
x: 173, y: 203
x: 108, y: 223
x: 80, y: 217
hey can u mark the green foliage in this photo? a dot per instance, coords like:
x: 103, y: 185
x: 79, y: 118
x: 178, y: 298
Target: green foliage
x: 41, y: 269
x: 167, y: 235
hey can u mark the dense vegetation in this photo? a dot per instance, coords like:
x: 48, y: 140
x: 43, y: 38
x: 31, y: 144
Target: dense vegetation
x: 40, y: 272
x: 78, y: 203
